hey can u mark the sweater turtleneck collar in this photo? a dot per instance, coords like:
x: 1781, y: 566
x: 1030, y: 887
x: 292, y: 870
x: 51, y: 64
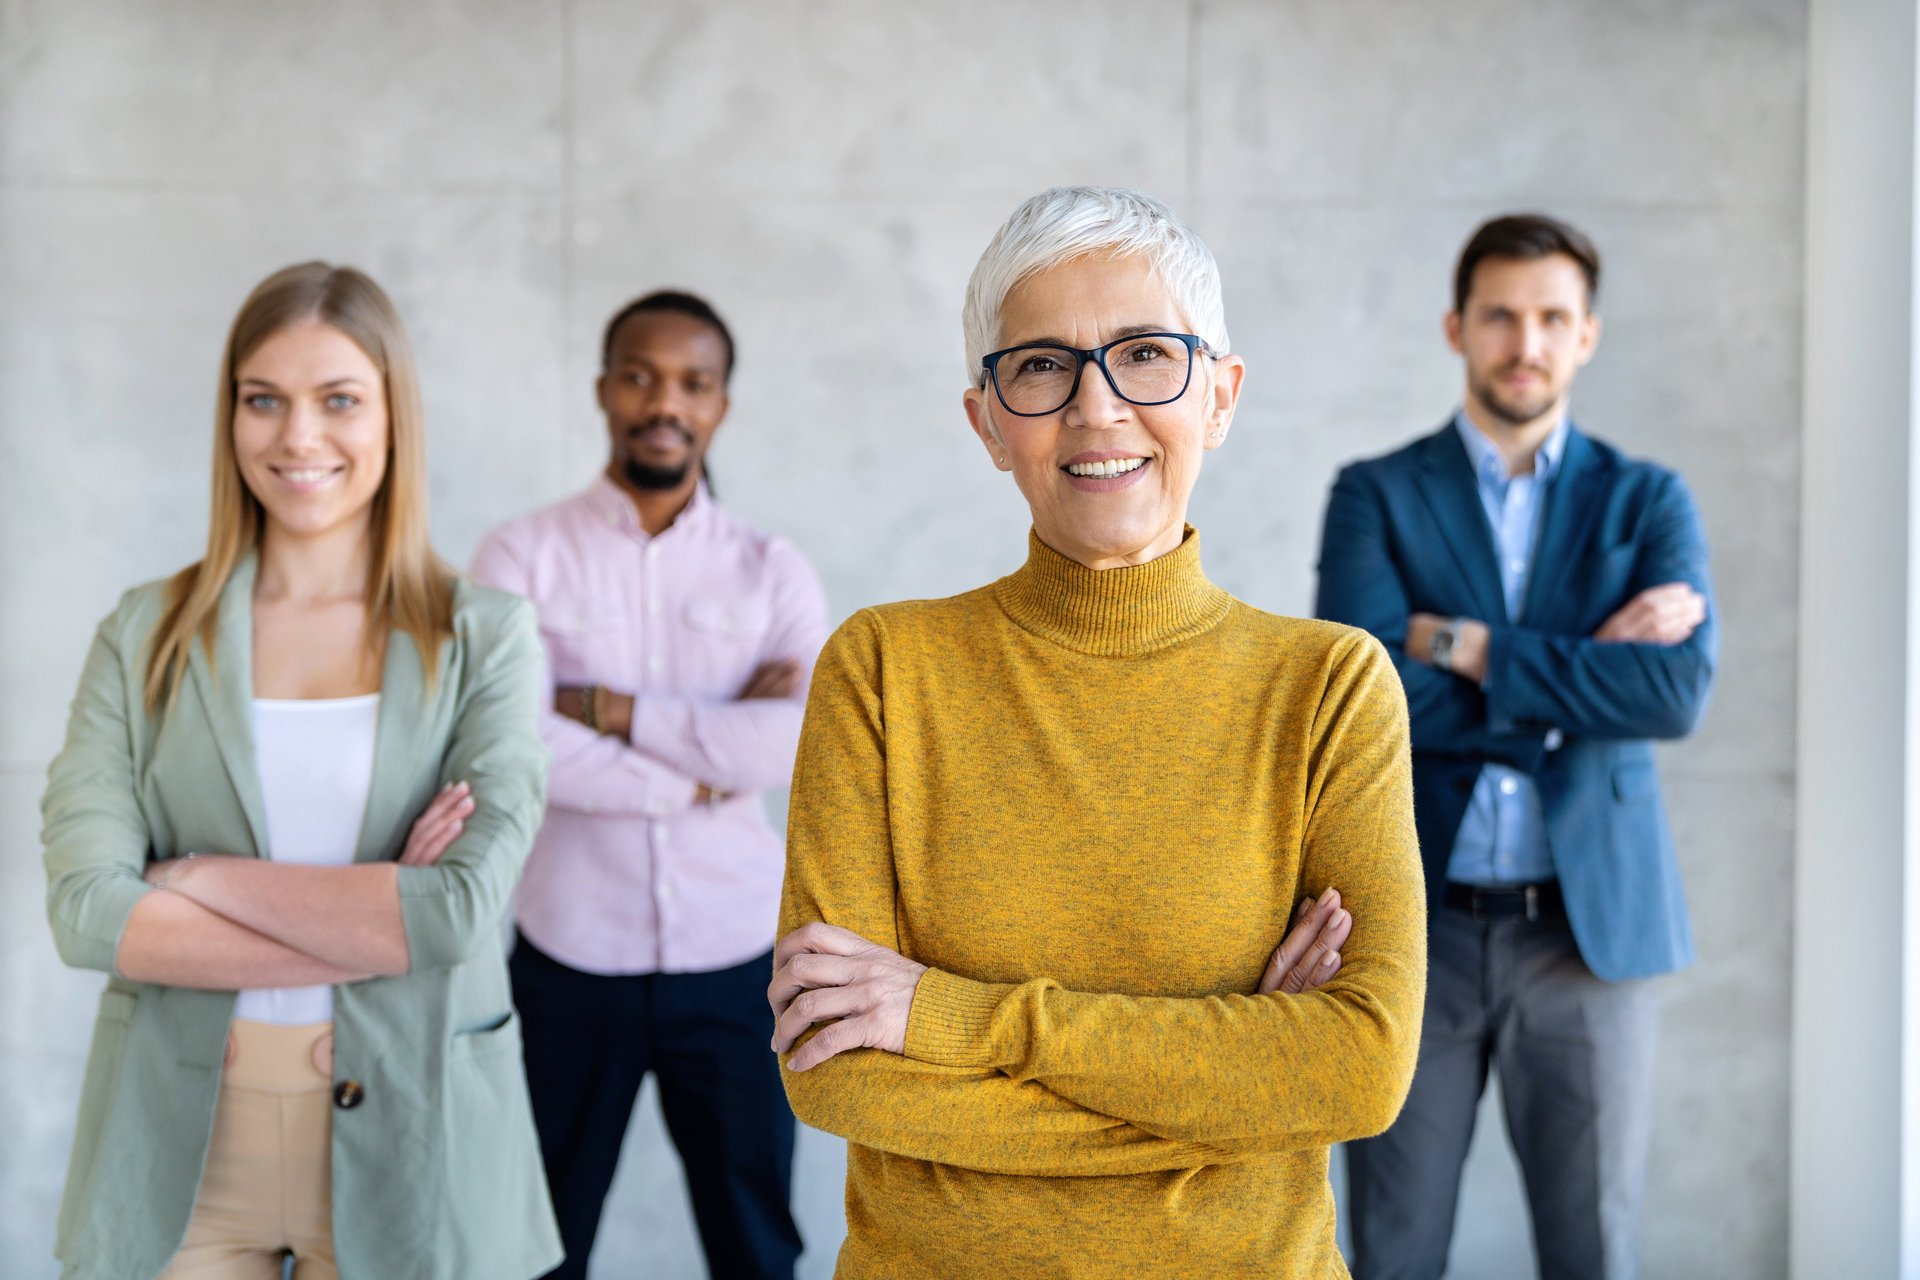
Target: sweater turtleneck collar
x: 1113, y: 613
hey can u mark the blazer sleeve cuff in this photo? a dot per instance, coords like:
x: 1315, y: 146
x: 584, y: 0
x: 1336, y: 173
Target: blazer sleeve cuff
x: 91, y: 940
x: 1493, y: 682
x: 440, y: 912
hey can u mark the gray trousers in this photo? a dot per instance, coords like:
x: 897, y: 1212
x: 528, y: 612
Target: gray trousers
x: 1575, y: 1057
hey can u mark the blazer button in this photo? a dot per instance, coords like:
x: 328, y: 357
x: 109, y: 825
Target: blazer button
x: 348, y: 1094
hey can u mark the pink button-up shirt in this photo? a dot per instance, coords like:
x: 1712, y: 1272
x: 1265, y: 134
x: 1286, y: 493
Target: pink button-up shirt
x: 628, y: 874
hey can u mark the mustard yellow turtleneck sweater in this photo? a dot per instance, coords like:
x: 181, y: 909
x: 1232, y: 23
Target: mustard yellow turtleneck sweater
x: 1090, y: 801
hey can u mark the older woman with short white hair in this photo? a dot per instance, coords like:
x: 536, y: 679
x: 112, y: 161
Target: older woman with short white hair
x: 1046, y: 836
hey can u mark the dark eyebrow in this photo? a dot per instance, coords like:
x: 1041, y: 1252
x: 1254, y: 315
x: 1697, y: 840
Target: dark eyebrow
x: 1124, y: 332
x: 642, y: 362
x: 1133, y: 330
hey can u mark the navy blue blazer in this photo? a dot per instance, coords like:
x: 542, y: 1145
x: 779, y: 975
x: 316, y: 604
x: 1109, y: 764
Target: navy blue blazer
x: 1405, y: 534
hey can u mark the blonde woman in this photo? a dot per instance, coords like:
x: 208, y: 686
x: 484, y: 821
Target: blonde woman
x: 304, y: 770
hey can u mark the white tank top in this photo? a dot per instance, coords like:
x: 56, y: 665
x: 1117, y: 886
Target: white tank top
x: 316, y: 766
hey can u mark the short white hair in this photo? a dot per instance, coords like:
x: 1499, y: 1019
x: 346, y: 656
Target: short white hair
x: 1064, y: 223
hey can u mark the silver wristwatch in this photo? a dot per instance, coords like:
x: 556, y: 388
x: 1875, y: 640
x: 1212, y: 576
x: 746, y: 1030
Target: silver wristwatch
x: 1440, y: 649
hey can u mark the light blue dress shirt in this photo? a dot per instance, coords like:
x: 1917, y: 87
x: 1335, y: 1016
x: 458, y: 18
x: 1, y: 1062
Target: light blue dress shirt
x: 1503, y: 838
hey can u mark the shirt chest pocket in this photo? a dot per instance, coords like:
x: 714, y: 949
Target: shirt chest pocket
x: 582, y: 648
x: 721, y: 643
x: 1616, y: 563
x: 735, y: 621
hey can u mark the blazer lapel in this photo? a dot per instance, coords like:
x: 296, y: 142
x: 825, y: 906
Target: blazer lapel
x: 1572, y: 502
x: 402, y: 736
x: 225, y: 686
x: 1447, y: 483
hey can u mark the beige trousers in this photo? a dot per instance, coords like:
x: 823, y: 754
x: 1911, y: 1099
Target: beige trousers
x: 267, y: 1192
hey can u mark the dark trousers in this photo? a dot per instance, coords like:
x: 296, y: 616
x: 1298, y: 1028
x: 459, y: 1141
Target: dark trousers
x: 1575, y: 1056
x: 591, y: 1039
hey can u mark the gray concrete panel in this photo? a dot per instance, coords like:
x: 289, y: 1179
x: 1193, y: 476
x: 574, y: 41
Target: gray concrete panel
x: 848, y: 98
x: 232, y: 95
x: 1491, y: 100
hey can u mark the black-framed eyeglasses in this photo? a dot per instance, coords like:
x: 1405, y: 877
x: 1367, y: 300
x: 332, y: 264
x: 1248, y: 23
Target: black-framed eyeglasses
x: 1039, y: 378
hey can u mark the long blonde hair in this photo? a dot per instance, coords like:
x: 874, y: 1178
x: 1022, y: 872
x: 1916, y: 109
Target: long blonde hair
x: 408, y: 588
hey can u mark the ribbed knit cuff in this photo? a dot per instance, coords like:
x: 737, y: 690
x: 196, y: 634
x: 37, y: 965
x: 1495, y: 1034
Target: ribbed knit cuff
x: 951, y: 1023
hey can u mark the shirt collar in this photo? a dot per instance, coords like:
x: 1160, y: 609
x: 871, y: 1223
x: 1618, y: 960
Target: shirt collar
x: 610, y: 502
x: 1489, y: 465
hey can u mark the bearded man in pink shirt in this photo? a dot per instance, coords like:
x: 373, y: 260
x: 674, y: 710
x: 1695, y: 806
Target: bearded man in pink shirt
x: 679, y: 643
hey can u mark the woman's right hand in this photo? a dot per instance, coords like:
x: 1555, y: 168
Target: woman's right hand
x: 438, y: 825
x: 1310, y: 953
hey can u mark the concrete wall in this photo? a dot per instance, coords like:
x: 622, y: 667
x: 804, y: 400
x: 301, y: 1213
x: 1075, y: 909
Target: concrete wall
x: 827, y: 174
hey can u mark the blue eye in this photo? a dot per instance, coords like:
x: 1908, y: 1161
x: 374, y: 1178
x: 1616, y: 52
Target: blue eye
x: 261, y: 402
x: 340, y: 401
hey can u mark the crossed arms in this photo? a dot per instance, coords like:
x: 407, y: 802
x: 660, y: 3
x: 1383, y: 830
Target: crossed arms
x: 239, y: 922
x: 656, y: 754
x: 1644, y: 673
x: 1033, y: 1079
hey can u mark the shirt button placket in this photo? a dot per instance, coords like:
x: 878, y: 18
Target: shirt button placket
x: 654, y: 633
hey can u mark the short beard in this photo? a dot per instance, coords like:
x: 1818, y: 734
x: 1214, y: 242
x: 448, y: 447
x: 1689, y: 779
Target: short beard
x: 654, y: 479
x: 1514, y: 415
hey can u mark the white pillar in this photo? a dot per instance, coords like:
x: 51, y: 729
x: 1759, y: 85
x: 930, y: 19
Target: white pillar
x: 1855, y: 1147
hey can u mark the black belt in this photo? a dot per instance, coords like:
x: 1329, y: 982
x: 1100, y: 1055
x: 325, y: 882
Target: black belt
x: 1528, y: 901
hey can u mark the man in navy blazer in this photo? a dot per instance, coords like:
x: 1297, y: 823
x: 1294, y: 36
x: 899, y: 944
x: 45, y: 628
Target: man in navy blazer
x: 1547, y: 603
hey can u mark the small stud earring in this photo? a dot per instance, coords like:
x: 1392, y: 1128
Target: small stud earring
x: 1216, y: 435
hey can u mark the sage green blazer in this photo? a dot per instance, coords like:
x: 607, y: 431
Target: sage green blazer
x: 436, y: 1173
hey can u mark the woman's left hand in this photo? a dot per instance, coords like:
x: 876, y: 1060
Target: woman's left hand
x: 438, y: 825
x: 861, y: 990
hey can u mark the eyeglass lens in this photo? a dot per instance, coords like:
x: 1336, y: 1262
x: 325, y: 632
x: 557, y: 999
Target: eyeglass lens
x: 1146, y: 370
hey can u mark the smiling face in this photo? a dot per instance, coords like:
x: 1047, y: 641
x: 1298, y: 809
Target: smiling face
x: 664, y: 393
x: 1524, y: 331
x: 310, y: 430
x: 1107, y: 480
